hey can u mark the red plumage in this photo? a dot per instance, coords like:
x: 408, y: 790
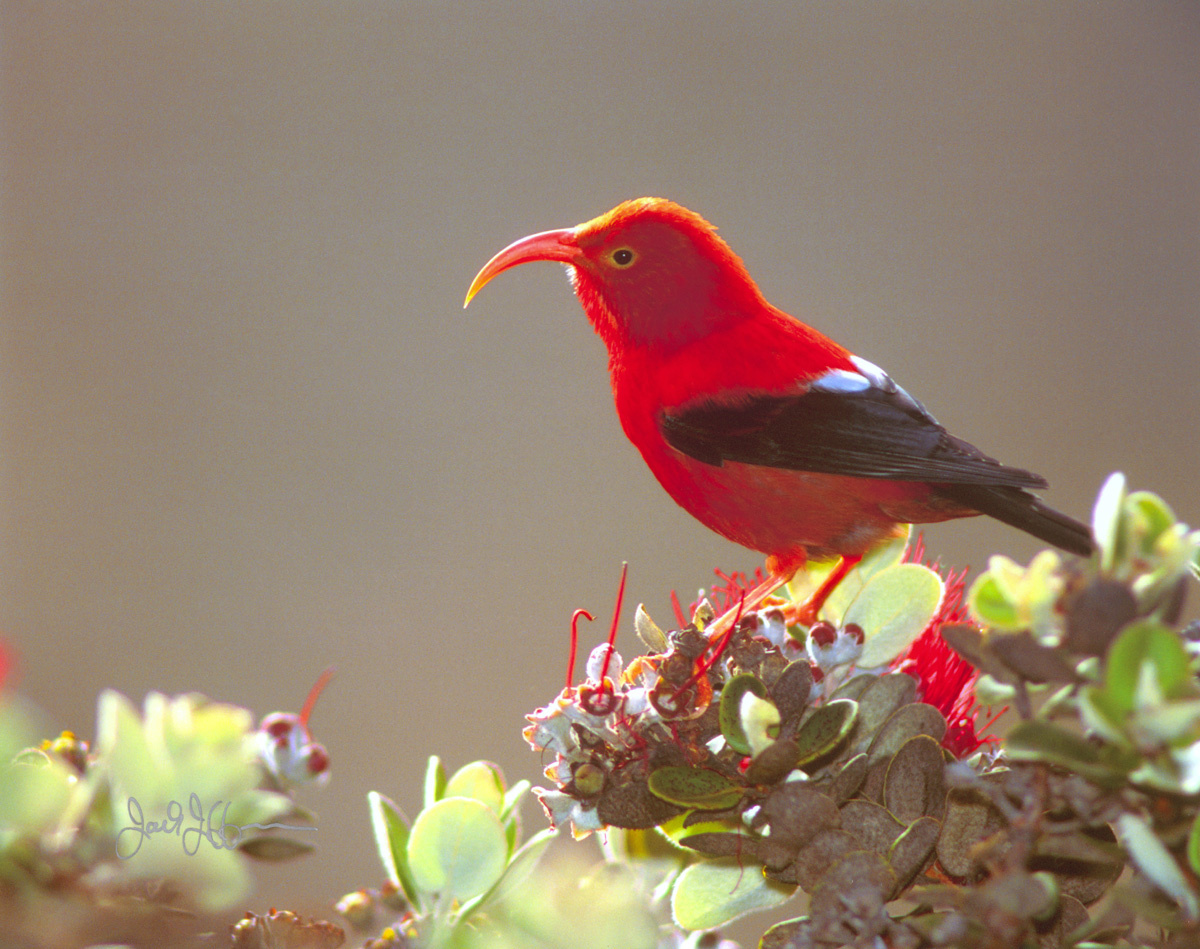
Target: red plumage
x: 762, y: 428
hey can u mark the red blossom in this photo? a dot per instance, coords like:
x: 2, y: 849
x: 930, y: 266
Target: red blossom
x: 726, y: 595
x: 945, y: 680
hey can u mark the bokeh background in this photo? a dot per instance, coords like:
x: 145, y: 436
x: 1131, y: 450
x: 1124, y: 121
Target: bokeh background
x: 249, y: 432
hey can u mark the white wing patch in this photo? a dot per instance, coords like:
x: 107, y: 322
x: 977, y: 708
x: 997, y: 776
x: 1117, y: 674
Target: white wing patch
x: 878, y: 378
x: 885, y: 383
x: 841, y: 380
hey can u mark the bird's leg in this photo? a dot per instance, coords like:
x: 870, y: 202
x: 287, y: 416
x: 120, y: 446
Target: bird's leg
x: 806, y: 613
x: 780, y: 573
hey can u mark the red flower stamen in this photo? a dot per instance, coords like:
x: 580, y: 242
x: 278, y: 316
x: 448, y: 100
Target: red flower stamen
x: 726, y: 595
x: 314, y: 692
x: 678, y: 610
x: 612, y: 632
x: 575, y: 642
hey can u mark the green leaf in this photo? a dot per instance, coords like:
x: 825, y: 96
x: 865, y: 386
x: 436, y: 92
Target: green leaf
x: 989, y: 691
x: 824, y: 730
x: 970, y: 818
x: 760, y: 721
x: 1101, y: 715
x: 1149, y: 517
x: 1193, y: 845
x: 730, y: 716
x: 904, y: 724
x: 36, y: 792
x: 856, y: 685
x: 1164, y: 565
x: 391, y: 841
x: 876, y: 561
x: 911, y: 850
x: 519, y: 869
x: 1156, y: 863
x: 714, y: 892
x: 481, y: 781
x: 990, y: 606
x: 695, y: 787
x: 510, y: 813
x: 1037, y: 740
x: 435, y: 781
x: 457, y: 848
x: 265, y: 807
x: 878, y: 702
x: 1167, y: 724
x: 126, y: 749
x: 1146, y: 665
x: 1106, y: 520
x: 892, y: 609
x: 648, y: 632
x: 915, y: 784
x: 513, y: 797
x: 1011, y: 598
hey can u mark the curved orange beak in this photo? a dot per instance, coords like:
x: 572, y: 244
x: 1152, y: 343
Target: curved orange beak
x: 548, y: 245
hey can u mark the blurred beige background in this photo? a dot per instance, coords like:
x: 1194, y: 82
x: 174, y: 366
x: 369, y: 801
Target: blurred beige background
x: 249, y: 432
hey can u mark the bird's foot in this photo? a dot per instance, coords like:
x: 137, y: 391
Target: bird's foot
x: 805, y: 614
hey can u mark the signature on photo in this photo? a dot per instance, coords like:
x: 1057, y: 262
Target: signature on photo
x: 222, y: 835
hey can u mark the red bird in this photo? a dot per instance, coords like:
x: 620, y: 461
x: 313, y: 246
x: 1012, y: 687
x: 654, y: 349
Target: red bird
x: 763, y: 429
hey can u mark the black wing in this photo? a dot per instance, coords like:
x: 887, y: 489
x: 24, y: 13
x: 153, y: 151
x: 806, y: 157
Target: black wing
x: 868, y: 427
x: 870, y: 433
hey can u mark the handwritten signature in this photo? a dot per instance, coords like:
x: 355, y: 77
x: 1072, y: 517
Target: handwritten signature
x: 222, y: 836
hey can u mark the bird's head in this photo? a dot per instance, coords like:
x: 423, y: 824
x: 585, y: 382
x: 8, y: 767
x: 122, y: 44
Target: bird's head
x: 648, y: 272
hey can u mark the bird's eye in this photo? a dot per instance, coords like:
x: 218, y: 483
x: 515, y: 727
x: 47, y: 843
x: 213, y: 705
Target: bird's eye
x: 623, y: 257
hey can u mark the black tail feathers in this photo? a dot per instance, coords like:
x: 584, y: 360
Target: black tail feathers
x: 1024, y: 511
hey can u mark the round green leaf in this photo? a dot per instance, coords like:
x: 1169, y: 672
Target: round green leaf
x: 905, y: 723
x: 730, y: 717
x: 694, y: 787
x: 877, y: 703
x: 877, y: 560
x: 1145, y: 664
x: 892, y: 609
x: 480, y: 780
x: 991, y: 691
x: 859, y: 879
x: 990, y: 605
x: 457, y: 847
x: 915, y: 783
x: 853, y: 687
x: 911, y: 850
x: 970, y: 818
x: 873, y: 825
x: 760, y: 721
x: 774, y: 763
x: 714, y: 892
x: 825, y: 729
